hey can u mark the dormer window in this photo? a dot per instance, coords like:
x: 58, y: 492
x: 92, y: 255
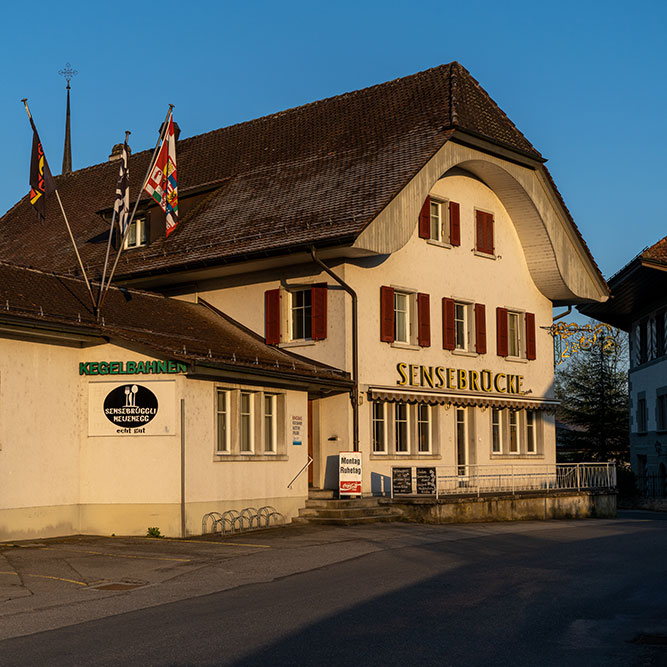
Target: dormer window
x: 137, y: 234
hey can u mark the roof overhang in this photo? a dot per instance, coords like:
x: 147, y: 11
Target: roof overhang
x: 635, y: 290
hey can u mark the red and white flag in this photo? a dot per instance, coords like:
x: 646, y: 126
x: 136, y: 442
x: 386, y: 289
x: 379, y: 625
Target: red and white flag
x: 162, y: 184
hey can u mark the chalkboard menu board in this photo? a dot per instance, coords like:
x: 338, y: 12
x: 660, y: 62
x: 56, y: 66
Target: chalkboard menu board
x: 426, y: 481
x: 401, y: 480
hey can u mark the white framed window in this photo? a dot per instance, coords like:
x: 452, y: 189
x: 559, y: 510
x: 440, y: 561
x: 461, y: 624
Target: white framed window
x: 514, y: 338
x: 222, y: 421
x: 531, y: 432
x: 424, y: 428
x: 401, y: 428
x: 462, y: 327
x: 513, y: 431
x: 270, y: 423
x: 247, y: 429
x: 137, y: 234
x: 496, y: 431
x: 439, y: 221
x: 403, y: 316
x: 301, y: 314
x: 379, y: 427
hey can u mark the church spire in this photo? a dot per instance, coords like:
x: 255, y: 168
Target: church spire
x: 68, y: 73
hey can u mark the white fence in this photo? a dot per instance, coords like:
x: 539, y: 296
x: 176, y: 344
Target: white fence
x: 479, y: 479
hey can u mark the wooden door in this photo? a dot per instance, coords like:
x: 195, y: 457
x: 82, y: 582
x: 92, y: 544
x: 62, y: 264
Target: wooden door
x: 310, y: 442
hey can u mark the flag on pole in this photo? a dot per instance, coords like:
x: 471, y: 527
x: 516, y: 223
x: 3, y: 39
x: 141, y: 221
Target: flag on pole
x: 121, y: 205
x: 41, y: 181
x: 161, y: 183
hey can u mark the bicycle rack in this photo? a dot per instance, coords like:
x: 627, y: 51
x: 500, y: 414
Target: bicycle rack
x: 249, y: 518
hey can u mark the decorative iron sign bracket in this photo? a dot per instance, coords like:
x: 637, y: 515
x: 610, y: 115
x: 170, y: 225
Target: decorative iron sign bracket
x: 570, y: 337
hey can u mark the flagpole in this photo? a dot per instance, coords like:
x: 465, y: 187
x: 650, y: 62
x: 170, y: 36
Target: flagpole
x: 69, y: 229
x: 111, y: 230
x: 136, y: 204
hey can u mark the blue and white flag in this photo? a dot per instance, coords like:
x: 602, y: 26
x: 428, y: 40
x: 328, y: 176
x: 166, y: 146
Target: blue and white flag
x: 121, y: 205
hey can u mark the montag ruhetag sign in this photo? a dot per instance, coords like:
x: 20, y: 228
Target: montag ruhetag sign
x: 349, y: 474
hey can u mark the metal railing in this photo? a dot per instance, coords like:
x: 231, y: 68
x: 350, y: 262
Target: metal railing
x: 310, y: 460
x: 478, y: 479
x: 651, y: 485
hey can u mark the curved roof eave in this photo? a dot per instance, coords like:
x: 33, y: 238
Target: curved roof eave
x: 558, y: 259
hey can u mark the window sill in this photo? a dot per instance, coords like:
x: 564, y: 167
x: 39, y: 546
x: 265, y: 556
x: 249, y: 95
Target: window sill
x: 250, y: 457
x: 405, y: 346
x: 297, y: 343
x: 516, y: 360
x: 486, y: 255
x: 464, y: 353
x: 376, y: 456
x: 440, y: 244
x: 514, y: 457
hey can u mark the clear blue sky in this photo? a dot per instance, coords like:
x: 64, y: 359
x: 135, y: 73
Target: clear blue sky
x: 585, y: 81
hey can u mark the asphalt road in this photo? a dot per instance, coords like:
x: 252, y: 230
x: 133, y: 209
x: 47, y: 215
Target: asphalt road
x: 558, y: 593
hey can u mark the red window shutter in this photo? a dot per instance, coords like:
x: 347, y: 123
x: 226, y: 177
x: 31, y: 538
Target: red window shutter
x: 424, y: 317
x: 480, y: 328
x: 530, y: 336
x: 484, y: 228
x: 425, y: 220
x: 489, y: 234
x: 479, y: 229
x: 318, y: 311
x: 272, y: 316
x: 448, y: 324
x: 454, y: 223
x: 387, y: 314
x: 501, y: 331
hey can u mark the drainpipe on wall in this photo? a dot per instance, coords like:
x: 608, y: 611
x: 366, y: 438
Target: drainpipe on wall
x: 354, y: 394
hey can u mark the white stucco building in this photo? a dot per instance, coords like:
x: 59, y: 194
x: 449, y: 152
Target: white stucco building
x: 406, y: 234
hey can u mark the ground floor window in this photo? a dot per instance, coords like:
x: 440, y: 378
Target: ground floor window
x: 249, y: 423
x: 402, y: 429
x: 515, y: 432
x: 222, y: 418
x: 424, y: 428
x: 379, y: 428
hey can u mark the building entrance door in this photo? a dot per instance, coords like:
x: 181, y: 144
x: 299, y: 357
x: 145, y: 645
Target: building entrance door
x: 310, y: 441
x: 461, y: 441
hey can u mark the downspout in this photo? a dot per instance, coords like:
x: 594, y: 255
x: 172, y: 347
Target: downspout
x: 354, y: 394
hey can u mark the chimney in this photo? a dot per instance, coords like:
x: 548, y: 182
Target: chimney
x: 117, y: 151
x: 177, y: 130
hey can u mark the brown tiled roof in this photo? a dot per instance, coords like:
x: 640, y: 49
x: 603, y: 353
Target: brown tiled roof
x: 657, y: 252
x: 316, y: 174
x: 171, y: 328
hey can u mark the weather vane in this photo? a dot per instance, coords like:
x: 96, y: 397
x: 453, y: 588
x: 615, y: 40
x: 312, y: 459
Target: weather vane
x: 68, y: 72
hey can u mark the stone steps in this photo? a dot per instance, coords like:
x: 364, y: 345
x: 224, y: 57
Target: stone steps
x: 327, y: 510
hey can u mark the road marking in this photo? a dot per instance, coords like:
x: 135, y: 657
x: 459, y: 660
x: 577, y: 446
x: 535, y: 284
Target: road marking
x: 215, y: 544
x: 46, y: 576
x: 102, y: 553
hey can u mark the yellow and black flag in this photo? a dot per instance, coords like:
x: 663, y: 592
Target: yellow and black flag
x: 41, y: 181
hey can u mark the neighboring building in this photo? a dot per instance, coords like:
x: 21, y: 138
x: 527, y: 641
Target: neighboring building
x: 639, y: 306
x: 431, y: 206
